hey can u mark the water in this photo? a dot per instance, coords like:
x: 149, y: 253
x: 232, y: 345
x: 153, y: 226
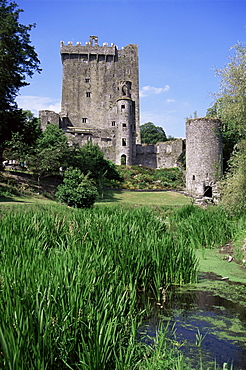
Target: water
x: 209, y: 320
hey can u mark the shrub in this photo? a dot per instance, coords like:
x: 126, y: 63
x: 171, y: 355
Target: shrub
x: 77, y: 190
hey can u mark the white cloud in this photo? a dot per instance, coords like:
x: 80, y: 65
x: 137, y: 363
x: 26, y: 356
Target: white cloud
x: 37, y: 103
x: 170, y: 101
x: 148, y: 90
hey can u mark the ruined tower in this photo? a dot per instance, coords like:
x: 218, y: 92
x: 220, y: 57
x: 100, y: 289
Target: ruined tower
x: 100, y: 96
x: 203, y: 157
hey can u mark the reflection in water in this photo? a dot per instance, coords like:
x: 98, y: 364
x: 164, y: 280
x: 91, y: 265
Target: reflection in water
x: 214, y: 308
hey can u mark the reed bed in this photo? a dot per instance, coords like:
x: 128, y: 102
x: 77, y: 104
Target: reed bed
x: 202, y: 228
x: 69, y: 282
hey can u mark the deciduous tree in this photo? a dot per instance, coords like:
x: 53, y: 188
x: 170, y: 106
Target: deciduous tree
x: 230, y: 107
x: 18, y: 60
x: 151, y: 134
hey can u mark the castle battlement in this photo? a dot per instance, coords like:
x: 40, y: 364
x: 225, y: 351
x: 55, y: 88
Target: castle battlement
x: 90, y: 47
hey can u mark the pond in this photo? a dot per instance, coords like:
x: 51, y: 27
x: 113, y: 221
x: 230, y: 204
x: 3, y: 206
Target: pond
x: 207, y: 320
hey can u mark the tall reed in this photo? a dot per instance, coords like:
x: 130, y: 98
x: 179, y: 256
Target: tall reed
x: 202, y: 227
x: 69, y: 280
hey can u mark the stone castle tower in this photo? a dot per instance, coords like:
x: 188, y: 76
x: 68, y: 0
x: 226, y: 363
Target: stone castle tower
x: 100, y: 97
x: 203, y: 157
x: 100, y: 102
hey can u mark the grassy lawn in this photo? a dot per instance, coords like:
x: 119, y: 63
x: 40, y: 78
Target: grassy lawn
x: 25, y: 200
x: 113, y: 197
x: 162, y: 198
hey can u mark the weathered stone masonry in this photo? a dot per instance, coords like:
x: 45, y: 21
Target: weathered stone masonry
x: 203, y: 157
x: 100, y: 102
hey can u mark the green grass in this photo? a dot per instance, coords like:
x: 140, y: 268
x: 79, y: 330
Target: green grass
x: 114, y: 197
x: 26, y: 199
x: 144, y: 198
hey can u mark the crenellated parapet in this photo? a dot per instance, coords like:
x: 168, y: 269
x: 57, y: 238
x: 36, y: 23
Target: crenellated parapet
x: 90, y: 47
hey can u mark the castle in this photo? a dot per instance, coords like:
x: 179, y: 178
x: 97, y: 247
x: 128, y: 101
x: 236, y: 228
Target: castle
x: 100, y: 103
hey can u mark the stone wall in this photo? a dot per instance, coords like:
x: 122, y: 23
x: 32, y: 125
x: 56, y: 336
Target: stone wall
x: 48, y: 116
x: 203, y: 156
x: 166, y: 154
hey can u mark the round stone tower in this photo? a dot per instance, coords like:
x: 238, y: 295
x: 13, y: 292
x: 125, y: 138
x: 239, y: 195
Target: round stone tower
x: 203, y: 157
x: 126, y: 130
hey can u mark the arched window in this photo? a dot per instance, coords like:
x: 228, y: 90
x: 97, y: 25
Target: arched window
x: 123, y: 159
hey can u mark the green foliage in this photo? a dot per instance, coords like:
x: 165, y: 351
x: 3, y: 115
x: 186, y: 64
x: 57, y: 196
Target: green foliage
x: 70, y: 298
x: 18, y: 60
x: 230, y: 107
x: 151, y: 134
x: 77, y: 189
x: 201, y: 227
x: 90, y: 158
x: 231, y: 97
x: 50, y: 153
x: 234, y: 185
x: 23, y: 141
x: 141, y: 177
x: 52, y: 137
x: 230, y: 132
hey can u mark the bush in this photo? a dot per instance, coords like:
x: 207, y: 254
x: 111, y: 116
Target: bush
x: 77, y: 189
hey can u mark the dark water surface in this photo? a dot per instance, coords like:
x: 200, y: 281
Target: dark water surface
x: 209, y: 319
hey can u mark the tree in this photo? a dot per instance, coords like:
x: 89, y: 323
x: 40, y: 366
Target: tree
x: 50, y: 153
x: 151, y: 134
x: 230, y: 133
x: 230, y: 107
x: 18, y: 60
x: 231, y: 98
x: 77, y: 189
x: 234, y: 185
x: 90, y: 159
x: 23, y: 142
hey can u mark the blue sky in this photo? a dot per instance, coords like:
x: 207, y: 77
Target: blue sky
x: 181, y: 42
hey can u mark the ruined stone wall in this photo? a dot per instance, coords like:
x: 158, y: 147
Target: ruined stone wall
x: 170, y: 153
x: 203, y: 156
x: 166, y: 154
x: 48, y: 116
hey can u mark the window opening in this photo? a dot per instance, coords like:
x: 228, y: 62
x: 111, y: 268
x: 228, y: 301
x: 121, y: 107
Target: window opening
x: 113, y: 123
x: 87, y: 80
x: 88, y: 94
x: 208, y: 191
x: 123, y: 159
x: 123, y: 141
x: 123, y: 107
x: 84, y: 120
x: 193, y: 177
x: 123, y: 124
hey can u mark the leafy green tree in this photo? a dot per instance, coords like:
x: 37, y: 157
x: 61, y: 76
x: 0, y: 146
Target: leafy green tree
x: 23, y: 141
x: 151, y: 134
x: 18, y: 60
x: 51, y: 152
x: 230, y: 107
x: 77, y: 189
x: 90, y: 159
x: 231, y: 98
x: 230, y: 133
x: 234, y: 185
